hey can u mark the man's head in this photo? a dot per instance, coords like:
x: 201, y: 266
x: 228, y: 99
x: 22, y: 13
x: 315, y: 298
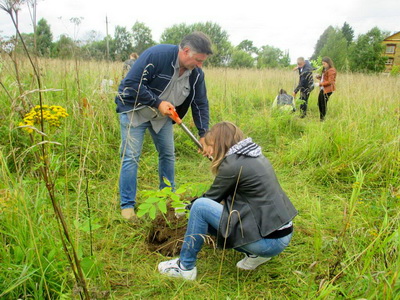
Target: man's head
x: 194, y: 50
x: 301, y: 62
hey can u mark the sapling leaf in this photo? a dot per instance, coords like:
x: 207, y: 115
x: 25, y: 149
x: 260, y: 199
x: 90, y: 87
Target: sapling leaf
x: 141, y: 212
x: 180, y: 190
x: 145, y: 205
x: 162, y: 206
x: 147, y: 193
x: 180, y: 210
x: 167, y: 182
x: 175, y: 197
x: 152, y: 212
x: 153, y: 199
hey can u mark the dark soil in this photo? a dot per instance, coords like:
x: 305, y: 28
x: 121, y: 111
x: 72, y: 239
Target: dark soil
x: 167, y: 238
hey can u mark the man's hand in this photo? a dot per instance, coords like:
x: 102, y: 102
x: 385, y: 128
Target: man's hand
x: 207, y: 150
x: 165, y: 107
x: 294, y: 95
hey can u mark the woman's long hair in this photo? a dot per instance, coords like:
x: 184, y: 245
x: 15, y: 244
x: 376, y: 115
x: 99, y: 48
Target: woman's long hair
x: 329, y: 61
x: 221, y: 137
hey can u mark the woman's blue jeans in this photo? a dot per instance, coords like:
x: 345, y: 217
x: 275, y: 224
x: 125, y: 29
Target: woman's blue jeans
x: 131, y: 148
x: 205, y: 215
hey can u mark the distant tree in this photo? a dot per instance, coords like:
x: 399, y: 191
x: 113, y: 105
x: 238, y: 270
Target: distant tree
x: 247, y: 46
x: 123, y: 43
x: 28, y: 40
x: 96, y: 50
x: 321, y: 42
x: 142, y: 37
x: 336, y: 48
x: 366, y: 52
x: 219, y: 38
x: 241, y: 59
x: 348, y: 32
x: 272, y: 57
x: 92, y: 36
x: 64, y: 48
x: 44, y: 38
x: 284, y: 61
x: 174, y: 34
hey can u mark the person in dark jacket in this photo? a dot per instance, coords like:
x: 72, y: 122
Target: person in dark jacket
x: 306, y: 83
x: 164, y: 78
x: 245, y: 207
x: 129, y: 63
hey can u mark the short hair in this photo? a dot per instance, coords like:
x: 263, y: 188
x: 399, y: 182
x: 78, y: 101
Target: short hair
x: 301, y: 58
x: 197, y: 42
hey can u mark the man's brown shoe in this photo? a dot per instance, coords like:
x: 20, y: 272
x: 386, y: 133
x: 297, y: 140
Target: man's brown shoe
x: 128, y: 213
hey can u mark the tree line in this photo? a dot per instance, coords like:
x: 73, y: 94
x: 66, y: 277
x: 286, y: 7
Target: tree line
x: 363, y: 54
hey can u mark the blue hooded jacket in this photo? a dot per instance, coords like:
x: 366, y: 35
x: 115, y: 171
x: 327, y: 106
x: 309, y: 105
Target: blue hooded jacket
x: 149, y: 77
x: 306, y: 82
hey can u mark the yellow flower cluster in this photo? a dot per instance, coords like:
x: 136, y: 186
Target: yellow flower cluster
x: 51, y: 114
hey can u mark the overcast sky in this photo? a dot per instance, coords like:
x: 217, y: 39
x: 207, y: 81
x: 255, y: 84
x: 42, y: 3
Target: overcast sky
x: 289, y: 25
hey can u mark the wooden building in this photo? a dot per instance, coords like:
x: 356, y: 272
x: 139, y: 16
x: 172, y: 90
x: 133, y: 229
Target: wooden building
x: 392, y: 51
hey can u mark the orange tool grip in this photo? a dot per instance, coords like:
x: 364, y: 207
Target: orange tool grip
x: 174, y: 116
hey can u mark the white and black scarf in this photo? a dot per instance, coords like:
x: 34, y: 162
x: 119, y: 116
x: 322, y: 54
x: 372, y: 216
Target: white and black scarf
x: 245, y: 147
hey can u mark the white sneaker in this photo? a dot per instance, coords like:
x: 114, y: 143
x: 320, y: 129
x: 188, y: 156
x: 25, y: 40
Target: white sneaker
x: 172, y: 269
x: 251, y: 262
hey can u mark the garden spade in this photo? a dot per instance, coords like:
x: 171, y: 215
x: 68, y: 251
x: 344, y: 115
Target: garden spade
x: 175, y: 117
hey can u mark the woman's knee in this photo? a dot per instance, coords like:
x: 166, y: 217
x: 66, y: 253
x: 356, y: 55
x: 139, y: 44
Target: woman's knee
x: 201, y: 203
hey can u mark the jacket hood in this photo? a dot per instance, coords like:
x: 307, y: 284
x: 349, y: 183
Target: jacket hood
x: 307, y: 67
x: 245, y: 147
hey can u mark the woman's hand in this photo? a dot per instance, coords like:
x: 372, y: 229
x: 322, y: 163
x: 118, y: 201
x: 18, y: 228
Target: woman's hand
x: 207, y: 150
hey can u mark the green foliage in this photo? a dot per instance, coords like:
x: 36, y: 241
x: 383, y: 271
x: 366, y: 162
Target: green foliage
x: 366, y: 52
x: 123, y: 38
x: 44, y: 38
x: 336, y: 48
x: 272, y: 57
x: 348, y: 32
x: 142, y: 37
x: 318, y: 165
x: 219, y: 39
x: 173, y: 35
x: 317, y: 64
x: 241, y: 59
x: 157, y: 201
x: 247, y: 46
x: 395, y: 71
x: 321, y: 42
x: 64, y: 48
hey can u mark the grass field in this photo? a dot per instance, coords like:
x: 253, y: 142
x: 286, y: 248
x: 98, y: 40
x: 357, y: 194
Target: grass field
x: 342, y: 175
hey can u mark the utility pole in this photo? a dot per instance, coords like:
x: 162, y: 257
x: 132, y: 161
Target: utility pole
x: 107, y: 40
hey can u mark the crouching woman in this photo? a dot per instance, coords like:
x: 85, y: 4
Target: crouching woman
x: 256, y: 215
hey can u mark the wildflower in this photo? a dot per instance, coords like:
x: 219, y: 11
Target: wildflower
x: 52, y: 115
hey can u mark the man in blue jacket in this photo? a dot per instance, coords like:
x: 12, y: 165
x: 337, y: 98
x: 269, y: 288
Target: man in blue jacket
x: 164, y: 78
x: 306, y: 83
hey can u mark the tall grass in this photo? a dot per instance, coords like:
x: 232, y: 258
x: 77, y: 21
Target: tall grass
x: 342, y: 175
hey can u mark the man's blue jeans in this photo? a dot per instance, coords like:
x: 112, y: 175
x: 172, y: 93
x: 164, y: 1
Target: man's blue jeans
x: 131, y: 148
x: 205, y: 215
